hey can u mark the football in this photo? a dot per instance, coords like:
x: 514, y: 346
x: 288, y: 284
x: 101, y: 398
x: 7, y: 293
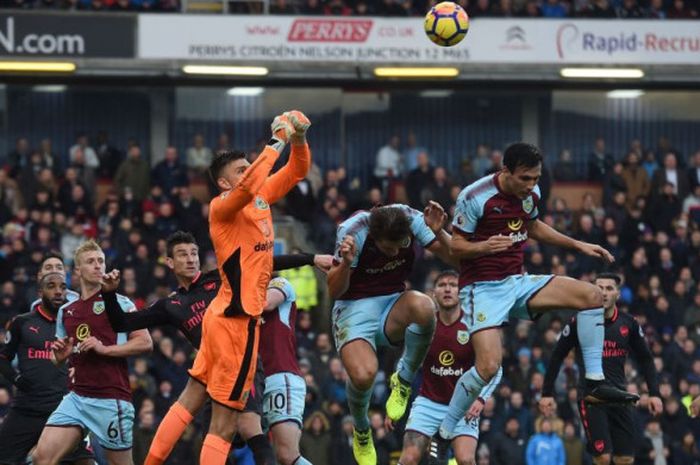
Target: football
x: 446, y: 24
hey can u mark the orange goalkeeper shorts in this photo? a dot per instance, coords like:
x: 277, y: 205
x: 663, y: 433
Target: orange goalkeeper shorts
x: 227, y: 358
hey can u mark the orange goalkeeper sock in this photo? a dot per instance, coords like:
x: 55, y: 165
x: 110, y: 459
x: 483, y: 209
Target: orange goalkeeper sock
x: 169, y: 431
x: 214, y: 450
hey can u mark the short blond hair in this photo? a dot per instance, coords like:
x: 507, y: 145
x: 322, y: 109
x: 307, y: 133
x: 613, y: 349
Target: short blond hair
x: 87, y: 246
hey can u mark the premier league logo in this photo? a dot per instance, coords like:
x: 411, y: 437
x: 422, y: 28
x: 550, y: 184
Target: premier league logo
x: 528, y: 205
x: 462, y: 337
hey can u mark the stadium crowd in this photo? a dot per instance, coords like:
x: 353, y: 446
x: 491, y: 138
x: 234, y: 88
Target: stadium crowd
x: 634, y: 9
x: 649, y: 218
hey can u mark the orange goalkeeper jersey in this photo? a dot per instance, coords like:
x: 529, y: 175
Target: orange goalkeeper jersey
x: 240, y: 225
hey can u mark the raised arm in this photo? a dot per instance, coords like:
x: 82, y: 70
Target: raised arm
x: 280, y: 183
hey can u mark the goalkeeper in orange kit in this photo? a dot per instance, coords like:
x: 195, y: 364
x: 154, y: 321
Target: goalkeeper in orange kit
x: 240, y: 226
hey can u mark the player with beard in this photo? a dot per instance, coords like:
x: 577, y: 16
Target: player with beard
x: 40, y: 384
x: 609, y: 427
x: 184, y: 309
x: 449, y: 356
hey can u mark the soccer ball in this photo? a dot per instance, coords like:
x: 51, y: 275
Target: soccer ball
x: 446, y: 24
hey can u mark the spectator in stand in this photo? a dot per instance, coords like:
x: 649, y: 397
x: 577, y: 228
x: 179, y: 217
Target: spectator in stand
x: 312, y: 7
x: 337, y: 8
x: 599, y: 9
x: 300, y: 202
x: 545, y: 448
x: 691, y: 205
x: 496, y: 162
x: 670, y: 173
x: 554, y: 9
x: 438, y: 189
x: 564, y: 169
x: 482, y: 9
x: 656, y: 10
x: 170, y: 174
x: 86, y: 174
x: 199, y: 156
x: 341, y: 451
x: 133, y: 173
x: 109, y: 157
x: 51, y: 159
x: 635, y: 179
x: 680, y: 10
x: 28, y: 176
x: 19, y: 156
x: 418, y: 180
x: 282, y: 7
x: 411, y: 152
x: 600, y: 162
x: 630, y: 9
x: 503, y: 8
x: 388, y: 163
x: 89, y: 156
x: 315, y: 444
x: 531, y: 10
x: 694, y: 171
x: 508, y: 448
x: 144, y: 433
x: 481, y: 161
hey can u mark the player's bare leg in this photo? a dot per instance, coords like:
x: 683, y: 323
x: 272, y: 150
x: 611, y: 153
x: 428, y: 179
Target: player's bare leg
x: 360, y: 362
x: 412, y: 319
x: 465, y: 450
x: 586, y: 298
x: 285, y: 437
x: 175, y: 421
x: 602, y: 459
x: 55, y: 443
x: 217, y: 443
x: 119, y: 457
x: 414, y: 446
x: 622, y: 460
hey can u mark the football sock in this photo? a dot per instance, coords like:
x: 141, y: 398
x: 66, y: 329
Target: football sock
x: 214, y: 450
x: 416, y: 343
x: 358, y: 401
x: 169, y: 431
x: 466, y: 391
x: 590, y: 328
x: 262, y: 450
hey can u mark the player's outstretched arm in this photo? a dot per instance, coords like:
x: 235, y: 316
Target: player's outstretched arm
x: 339, y: 276
x: 123, y: 322
x: 542, y: 232
x: 280, y: 183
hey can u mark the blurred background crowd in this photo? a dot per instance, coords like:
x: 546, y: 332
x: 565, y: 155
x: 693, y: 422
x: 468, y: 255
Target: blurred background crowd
x: 642, y: 205
x: 632, y: 9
